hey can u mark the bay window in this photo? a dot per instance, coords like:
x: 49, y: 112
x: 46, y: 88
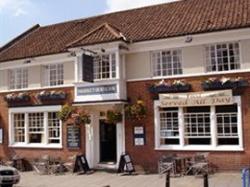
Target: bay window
x: 222, y: 57
x: 105, y: 66
x: 167, y: 62
x: 35, y: 127
x: 199, y: 128
x: 18, y: 78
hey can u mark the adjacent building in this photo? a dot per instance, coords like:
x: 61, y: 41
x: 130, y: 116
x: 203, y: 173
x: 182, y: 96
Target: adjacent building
x: 201, y: 49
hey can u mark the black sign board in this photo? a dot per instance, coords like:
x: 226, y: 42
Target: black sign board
x: 87, y: 68
x: 81, y: 164
x: 73, y: 136
x: 126, y: 164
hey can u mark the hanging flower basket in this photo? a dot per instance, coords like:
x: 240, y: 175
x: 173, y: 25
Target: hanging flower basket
x: 73, y: 115
x: 167, y: 87
x: 224, y: 83
x: 113, y: 116
x: 17, y: 98
x: 51, y: 96
x: 136, y: 111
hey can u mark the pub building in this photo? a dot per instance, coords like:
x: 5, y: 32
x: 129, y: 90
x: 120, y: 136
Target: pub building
x: 169, y: 78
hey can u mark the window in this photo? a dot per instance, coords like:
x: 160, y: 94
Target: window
x: 18, y: 78
x: 105, y: 67
x: 226, y: 117
x: 19, y: 128
x: 167, y: 63
x: 169, y: 126
x: 199, y: 128
x: 54, y: 128
x: 223, y: 57
x: 197, y: 125
x: 35, y: 128
x: 54, y: 74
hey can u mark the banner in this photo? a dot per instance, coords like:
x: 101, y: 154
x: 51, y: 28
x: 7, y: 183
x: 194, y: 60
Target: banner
x: 223, y: 97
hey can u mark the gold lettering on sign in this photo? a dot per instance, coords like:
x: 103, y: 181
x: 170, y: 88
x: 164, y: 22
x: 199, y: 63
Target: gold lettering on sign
x: 223, y: 97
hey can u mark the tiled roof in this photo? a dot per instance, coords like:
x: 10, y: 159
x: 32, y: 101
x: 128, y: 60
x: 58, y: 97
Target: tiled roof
x: 148, y: 23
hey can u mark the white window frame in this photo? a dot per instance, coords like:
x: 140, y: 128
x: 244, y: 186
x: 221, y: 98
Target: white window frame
x: 208, y: 58
x: 154, y: 63
x: 213, y: 129
x: 111, y: 56
x: 16, y: 82
x: 26, y: 111
x: 47, y: 76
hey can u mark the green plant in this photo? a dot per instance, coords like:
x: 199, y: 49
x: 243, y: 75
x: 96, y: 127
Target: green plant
x: 65, y: 113
x: 136, y: 111
x: 80, y: 116
x: 113, y: 116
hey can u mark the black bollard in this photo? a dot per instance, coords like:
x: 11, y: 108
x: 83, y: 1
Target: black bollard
x: 167, y: 179
x: 205, y: 180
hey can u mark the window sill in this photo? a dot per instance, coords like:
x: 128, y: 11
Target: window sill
x: 200, y: 148
x: 33, y: 145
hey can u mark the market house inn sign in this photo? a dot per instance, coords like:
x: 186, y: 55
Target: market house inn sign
x: 210, y: 98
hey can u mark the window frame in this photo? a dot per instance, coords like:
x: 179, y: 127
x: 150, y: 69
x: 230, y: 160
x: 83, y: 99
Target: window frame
x: 26, y: 111
x: 179, y: 50
x: 207, y: 57
x: 112, y: 56
x: 46, y: 77
x: 213, y: 129
x: 24, y: 81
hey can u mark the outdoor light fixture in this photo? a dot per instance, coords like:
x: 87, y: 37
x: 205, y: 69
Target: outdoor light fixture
x: 189, y: 39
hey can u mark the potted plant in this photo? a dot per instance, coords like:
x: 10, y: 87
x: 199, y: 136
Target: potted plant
x: 51, y: 95
x: 136, y: 111
x: 73, y: 115
x: 170, y: 87
x: 113, y: 116
x: 224, y: 83
x: 20, y: 97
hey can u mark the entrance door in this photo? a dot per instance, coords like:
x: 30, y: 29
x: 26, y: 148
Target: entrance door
x: 107, y: 142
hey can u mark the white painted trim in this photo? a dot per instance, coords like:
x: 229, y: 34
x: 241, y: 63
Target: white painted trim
x: 27, y: 110
x: 98, y: 103
x: 213, y: 146
x: 38, y: 88
x: 190, y: 75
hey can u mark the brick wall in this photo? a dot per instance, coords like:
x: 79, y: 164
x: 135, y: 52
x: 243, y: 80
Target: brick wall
x: 30, y: 153
x: 148, y: 157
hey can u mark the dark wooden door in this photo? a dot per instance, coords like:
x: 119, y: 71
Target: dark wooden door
x: 107, y: 142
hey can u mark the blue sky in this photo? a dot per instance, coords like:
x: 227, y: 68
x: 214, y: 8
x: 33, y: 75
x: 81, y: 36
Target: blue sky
x: 16, y: 16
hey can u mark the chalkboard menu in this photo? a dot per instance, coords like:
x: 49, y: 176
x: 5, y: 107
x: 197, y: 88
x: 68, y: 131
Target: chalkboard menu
x: 73, y: 136
x: 125, y: 164
x: 81, y: 164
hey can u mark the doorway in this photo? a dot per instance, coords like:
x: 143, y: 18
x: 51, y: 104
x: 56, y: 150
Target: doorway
x: 108, y: 150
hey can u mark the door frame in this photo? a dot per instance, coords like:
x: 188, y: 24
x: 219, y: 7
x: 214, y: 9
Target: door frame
x: 92, y: 140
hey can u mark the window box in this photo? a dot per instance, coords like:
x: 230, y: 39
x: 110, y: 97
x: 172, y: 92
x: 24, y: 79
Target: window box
x: 176, y: 86
x: 17, y: 99
x: 224, y: 83
x: 51, y: 96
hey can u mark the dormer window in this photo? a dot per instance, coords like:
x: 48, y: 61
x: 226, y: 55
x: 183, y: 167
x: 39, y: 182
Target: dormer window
x: 105, y: 67
x: 222, y: 57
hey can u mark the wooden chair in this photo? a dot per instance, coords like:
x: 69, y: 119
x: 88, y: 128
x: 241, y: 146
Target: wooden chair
x: 199, y: 164
x: 167, y: 164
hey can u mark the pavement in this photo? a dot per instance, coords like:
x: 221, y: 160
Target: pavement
x: 103, y: 179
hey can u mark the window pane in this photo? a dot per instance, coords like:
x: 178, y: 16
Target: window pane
x: 36, y: 127
x: 19, y: 135
x: 53, y: 128
x: 54, y: 74
x: 18, y: 78
x: 167, y: 63
x: 223, y: 57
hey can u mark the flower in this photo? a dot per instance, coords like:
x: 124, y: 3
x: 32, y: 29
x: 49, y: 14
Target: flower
x: 223, y: 80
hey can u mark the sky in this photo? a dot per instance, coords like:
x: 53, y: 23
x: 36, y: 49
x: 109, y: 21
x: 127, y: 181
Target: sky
x: 16, y: 16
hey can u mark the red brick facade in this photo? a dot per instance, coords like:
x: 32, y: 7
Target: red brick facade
x: 148, y: 157
x: 31, y: 153
x: 145, y: 156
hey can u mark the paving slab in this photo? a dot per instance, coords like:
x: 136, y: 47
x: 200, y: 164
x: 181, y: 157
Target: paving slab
x: 101, y: 179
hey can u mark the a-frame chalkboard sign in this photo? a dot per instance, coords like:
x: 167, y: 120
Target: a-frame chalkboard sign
x: 81, y: 164
x: 126, y: 164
